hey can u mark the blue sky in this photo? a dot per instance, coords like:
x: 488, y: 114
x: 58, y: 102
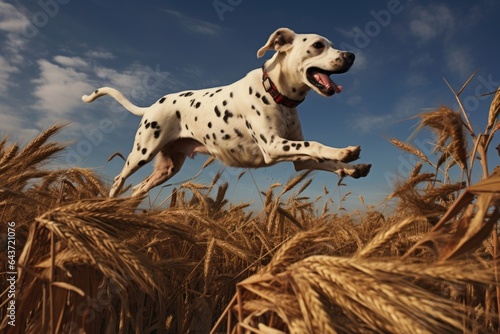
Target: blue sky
x: 54, y: 51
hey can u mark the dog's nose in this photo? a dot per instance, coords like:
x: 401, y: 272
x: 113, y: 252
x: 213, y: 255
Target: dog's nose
x: 348, y: 57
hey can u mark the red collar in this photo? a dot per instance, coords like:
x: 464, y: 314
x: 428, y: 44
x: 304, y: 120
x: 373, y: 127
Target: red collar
x: 279, y: 98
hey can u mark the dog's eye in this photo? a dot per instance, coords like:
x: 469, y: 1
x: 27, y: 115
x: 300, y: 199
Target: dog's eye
x: 318, y: 45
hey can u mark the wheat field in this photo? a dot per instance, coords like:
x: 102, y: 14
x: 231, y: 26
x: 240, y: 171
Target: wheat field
x: 199, y: 264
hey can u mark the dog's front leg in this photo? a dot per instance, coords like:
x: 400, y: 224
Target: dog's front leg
x: 313, y: 155
x: 280, y: 149
x: 340, y: 168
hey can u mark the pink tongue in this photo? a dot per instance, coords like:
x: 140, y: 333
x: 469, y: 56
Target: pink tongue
x: 327, y: 82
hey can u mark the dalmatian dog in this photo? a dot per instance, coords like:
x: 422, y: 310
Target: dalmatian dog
x: 250, y: 123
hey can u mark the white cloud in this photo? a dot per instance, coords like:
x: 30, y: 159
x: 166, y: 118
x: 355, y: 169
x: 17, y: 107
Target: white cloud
x: 126, y: 80
x: 63, y: 80
x: 13, y: 127
x: 430, y: 22
x: 15, y: 24
x: 11, y: 19
x: 99, y: 54
x: 59, y: 90
x: 404, y: 108
x: 368, y: 123
x: 195, y: 25
x: 5, y: 72
x: 459, y: 61
x: 70, y: 61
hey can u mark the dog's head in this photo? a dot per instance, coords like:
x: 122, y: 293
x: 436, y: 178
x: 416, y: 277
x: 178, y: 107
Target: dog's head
x: 310, y: 58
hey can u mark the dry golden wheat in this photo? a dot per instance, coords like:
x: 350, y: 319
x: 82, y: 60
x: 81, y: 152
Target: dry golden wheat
x: 92, y: 264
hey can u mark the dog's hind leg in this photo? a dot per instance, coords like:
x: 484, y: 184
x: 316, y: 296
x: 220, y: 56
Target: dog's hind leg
x: 144, y: 151
x: 134, y: 162
x: 167, y: 165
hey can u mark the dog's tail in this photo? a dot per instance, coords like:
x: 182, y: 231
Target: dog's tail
x: 118, y: 96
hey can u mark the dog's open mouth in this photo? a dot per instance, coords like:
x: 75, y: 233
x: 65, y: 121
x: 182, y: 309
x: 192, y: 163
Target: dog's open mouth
x: 321, y: 79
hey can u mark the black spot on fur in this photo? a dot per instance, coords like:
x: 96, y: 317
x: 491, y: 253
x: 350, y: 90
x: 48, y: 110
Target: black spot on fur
x: 187, y: 127
x: 226, y: 137
x: 144, y: 151
x: 258, y: 112
x: 209, y: 124
x: 147, y: 125
x: 286, y: 148
x: 217, y: 111
x: 198, y: 104
x: 196, y: 118
x: 211, y: 94
x: 294, y: 89
x: 157, y: 133
x: 264, y: 139
x: 224, y: 103
x: 298, y: 146
x: 250, y: 90
x: 162, y: 99
x: 96, y: 91
x: 186, y: 94
x: 207, y: 136
x: 308, y: 51
x: 218, y: 90
x: 221, y: 131
x: 142, y: 163
x: 272, y: 139
x: 257, y: 95
x: 214, y: 136
x: 238, y: 133
x: 293, y: 144
x: 145, y: 121
x: 178, y: 114
x: 153, y: 125
x: 264, y: 99
x: 192, y: 101
x: 306, y: 144
x: 284, y: 141
x: 305, y: 39
x: 231, y: 95
x: 227, y: 115
x: 248, y: 125
x: 174, y: 102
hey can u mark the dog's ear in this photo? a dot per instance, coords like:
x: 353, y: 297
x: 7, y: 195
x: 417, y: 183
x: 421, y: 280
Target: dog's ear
x: 280, y: 40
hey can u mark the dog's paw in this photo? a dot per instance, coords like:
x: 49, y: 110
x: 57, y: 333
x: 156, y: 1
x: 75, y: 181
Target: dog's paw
x: 361, y: 170
x: 357, y: 171
x: 350, y: 153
